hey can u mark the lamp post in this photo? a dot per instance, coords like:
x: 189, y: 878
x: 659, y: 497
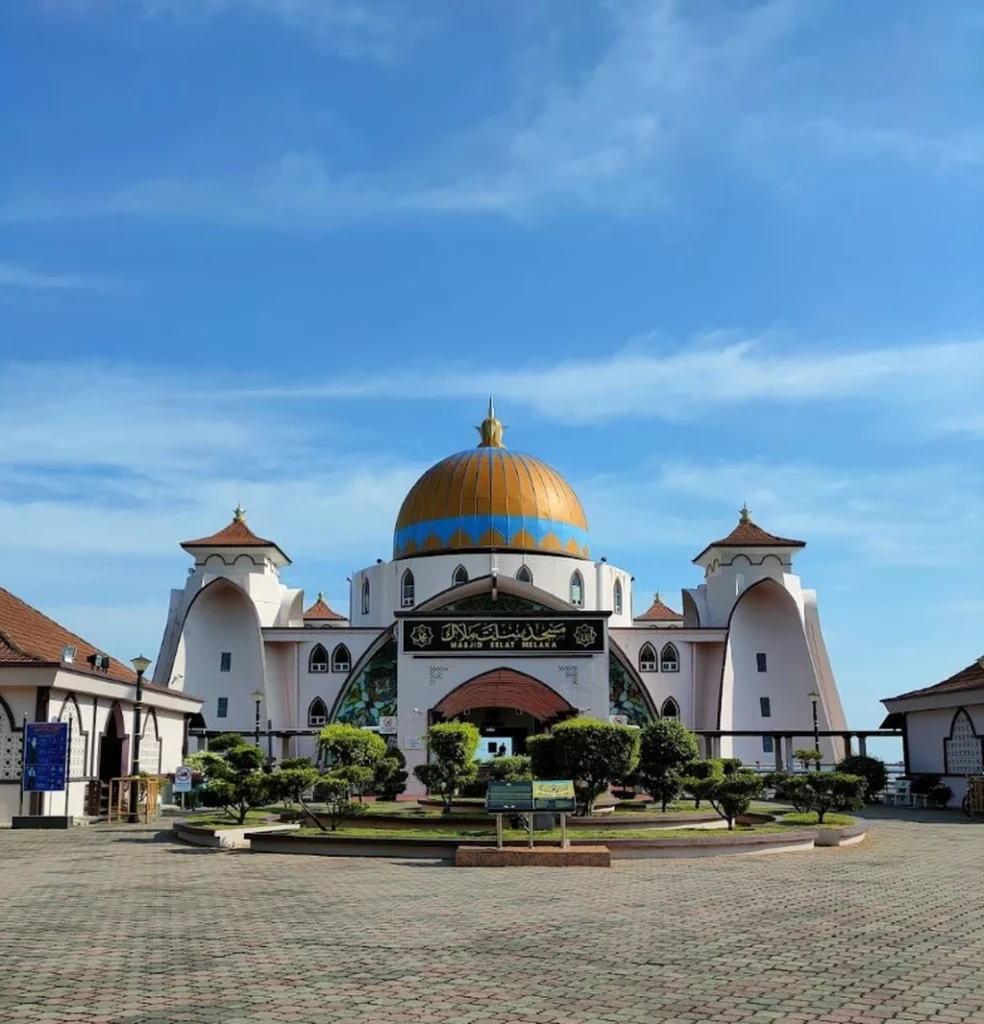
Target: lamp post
x: 140, y: 665
x: 257, y: 696
x: 814, y: 698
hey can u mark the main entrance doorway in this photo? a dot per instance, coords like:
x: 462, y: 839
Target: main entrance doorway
x: 506, y: 706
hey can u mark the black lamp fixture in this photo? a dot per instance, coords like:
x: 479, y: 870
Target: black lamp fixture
x: 814, y: 700
x: 257, y: 696
x: 140, y: 665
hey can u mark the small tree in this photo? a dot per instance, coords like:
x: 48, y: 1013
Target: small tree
x: 292, y: 779
x: 234, y: 777
x: 451, y: 746
x: 666, y: 747
x: 790, y: 789
x: 808, y: 756
x: 871, y: 769
x: 594, y: 754
x: 830, y: 790
x: 511, y: 769
x: 353, y: 752
x: 700, y: 778
x: 733, y: 793
x: 333, y: 789
x: 542, y: 753
x: 390, y: 777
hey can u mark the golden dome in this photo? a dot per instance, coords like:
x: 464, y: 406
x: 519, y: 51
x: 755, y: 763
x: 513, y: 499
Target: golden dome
x: 489, y: 497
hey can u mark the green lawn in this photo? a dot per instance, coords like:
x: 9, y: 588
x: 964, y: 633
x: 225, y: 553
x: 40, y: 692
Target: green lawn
x: 215, y: 818
x: 553, y: 835
x: 830, y: 820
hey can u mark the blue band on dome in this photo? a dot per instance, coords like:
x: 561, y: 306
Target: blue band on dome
x: 475, y: 527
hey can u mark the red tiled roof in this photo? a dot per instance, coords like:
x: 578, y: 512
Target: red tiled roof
x: 321, y: 612
x: 969, y: 678
x: 750, y: 535
x: 236, y: 535
x: 505, y: 688
x: 27, y: 637
x: 659, y: 612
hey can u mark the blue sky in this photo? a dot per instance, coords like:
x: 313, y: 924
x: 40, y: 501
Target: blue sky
x: 279, y: 251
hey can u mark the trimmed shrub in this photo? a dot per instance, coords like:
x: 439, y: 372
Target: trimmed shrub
x: 451, y: 746
x: 594, y: 754
x: 808, y: 757
x: 542, y: 753
x: 511, y: 769
x: 732, y: 794
x: 871, y: 769
x: 666, y: 747
x: 700, y: 778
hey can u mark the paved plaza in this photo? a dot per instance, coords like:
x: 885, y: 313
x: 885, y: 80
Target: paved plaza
x: 119, y: 926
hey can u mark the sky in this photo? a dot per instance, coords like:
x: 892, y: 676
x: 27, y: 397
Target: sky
x: 278, y: 252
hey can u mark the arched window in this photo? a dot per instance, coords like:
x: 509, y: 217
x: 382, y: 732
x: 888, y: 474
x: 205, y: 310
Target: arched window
x: 577, y: 590
x: 365, y: 597
x: 524, y: 575
x: 459, y: 577
x: 317, y: 712
x: 617, y: 597
x: 341, y: 660
x: 670, y: 708
x: 406, y: 590
x: 669, y: 660
x: 647, y: 659
x: 318, y: 662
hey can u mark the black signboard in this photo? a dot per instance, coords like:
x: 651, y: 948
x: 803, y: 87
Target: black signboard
x: 541, y: 635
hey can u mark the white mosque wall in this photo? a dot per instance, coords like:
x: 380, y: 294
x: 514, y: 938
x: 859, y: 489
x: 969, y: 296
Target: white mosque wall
x: 223, y: 620
x: 709, y: 671
x: 662, y: 685
x: 729, y: 574
x: 425, y: 681
x: 434, y: 574
x: 766, y: 621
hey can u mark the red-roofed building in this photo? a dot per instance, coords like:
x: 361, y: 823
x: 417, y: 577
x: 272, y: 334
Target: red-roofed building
x: 321, y: 613
x: 660, y: 614
x: 48, y: 673
x: 943, y: 727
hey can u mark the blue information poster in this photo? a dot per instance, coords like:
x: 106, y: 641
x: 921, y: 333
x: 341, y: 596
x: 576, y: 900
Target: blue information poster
x: 45, y: 756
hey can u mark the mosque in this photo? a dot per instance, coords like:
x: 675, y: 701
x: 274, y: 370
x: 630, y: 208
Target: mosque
x: 493, y: 610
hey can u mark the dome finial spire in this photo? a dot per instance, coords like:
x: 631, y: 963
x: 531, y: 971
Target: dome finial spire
x: 491, y: 429
x: 745, y: 513
x: 239, y: 514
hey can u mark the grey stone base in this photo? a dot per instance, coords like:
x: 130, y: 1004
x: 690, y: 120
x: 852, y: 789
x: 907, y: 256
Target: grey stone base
x: 42, y: 821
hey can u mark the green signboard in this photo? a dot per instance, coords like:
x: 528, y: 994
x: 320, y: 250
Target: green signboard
x: 553, y: 795
x: 541, y: 795
x: 509, y: 796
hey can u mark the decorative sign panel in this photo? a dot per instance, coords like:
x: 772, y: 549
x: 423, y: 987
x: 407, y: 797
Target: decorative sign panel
x: 45, y: 756
x: 539, y: 795
x: 387, y: 724
x: 554, y: 795
x: 963, y: 751
x: 515, y: 636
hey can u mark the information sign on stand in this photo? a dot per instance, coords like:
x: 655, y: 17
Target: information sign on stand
x: 45, y: 757
x: 183, y: 778
x: 528, y: 797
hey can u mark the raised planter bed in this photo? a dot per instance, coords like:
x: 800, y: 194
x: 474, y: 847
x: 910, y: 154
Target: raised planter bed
x: 609, y: 821
x: 226, y: 838
x: 703, y: 844
x: 844, y: 835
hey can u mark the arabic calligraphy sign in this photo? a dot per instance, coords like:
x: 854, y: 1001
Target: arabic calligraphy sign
x: 517, y: 636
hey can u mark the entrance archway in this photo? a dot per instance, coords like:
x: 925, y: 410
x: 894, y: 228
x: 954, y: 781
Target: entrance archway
x: 111, y: 746
x: 506, y: 706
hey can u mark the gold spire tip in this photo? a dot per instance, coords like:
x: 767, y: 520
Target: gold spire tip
x: 491, y: 429
x: 746, y: 515
x: 239, y: 514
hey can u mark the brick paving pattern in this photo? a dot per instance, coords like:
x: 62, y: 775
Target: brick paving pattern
x: 123, y: 926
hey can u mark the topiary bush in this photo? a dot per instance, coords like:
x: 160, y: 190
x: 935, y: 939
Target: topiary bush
x: 451, y: 746
x: 700, y: 778
x: 666, y: 747
x: 732, y: 794
x: 871, y: 769
x: 594, y: 754
x: 511, y: 769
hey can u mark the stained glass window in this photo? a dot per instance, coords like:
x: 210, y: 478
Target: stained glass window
x: 625, y: 696
x: 372, y: 692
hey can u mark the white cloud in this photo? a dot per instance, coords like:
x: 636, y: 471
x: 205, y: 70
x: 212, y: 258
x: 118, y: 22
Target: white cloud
x: 18, y: 275
x: 712, y: 373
